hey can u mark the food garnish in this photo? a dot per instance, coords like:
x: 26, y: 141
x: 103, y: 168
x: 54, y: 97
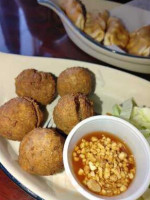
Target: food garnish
x: 136, y: 115
x: 104, y: 164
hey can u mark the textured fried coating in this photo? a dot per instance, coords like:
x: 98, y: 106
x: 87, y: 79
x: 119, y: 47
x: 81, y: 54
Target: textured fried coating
x: 41, y: 152
x: 70, y: 110
x: 75, y: 80
x: 40, y: 86
x: 18, y: 116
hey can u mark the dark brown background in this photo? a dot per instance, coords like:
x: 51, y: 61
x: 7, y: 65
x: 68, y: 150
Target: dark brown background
x: 27, y: 28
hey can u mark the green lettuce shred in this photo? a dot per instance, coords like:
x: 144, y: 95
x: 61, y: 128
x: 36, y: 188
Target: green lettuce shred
x: 140, y: 118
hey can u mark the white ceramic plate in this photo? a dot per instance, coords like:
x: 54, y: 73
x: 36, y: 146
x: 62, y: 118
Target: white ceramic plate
x: 112, y: 86
x: 93, y: 48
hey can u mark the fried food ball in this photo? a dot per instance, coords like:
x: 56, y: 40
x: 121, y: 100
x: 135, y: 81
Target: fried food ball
x: 74, y: 80
x: 19, y: 116
x: 40, y: 86
x: 41, y: 152
x: 70, y: 110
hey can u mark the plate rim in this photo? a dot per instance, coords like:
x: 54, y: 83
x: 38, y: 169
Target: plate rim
x: 19, y: 184
x: 106, y: 66
x: 127, y: 72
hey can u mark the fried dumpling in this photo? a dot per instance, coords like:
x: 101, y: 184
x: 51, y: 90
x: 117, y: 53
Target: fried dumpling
x: 139, y: 43
x: 95, y: 25
x: 76, y: 12
x: 116, y: 33
x: 103, y: 18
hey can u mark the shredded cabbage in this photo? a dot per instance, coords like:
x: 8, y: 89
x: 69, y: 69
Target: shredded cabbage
x: 140, y: 118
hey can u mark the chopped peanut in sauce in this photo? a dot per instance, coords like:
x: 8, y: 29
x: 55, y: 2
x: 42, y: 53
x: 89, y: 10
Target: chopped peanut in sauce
x: 104, y: 164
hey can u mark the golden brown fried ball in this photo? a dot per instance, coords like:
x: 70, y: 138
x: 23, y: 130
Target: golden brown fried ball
x: 19, y: 116
x: 70, y: 110
x: 41, y: 152
x: 74, y: 80
x: 40, y: 86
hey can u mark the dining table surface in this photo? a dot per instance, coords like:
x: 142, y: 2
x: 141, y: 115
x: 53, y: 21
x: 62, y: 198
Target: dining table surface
x: 27, y: 28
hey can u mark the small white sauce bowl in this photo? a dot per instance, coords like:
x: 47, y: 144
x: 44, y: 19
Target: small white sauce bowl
x: 130, y: 135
